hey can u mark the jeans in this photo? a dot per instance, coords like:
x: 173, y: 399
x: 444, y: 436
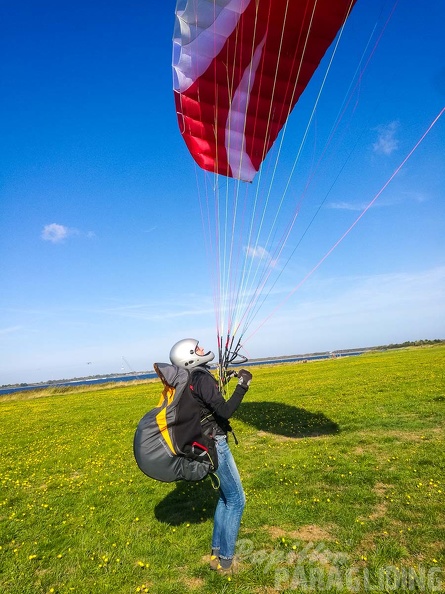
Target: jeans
x: 231, y: 502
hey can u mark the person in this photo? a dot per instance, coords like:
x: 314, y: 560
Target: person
x: 215, y: 415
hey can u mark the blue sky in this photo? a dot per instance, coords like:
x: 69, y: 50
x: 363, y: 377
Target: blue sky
x: 103, y: 252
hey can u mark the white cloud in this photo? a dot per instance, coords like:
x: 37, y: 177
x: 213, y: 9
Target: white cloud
x: 386, y: 142
x: 359, y: 311
x: 388, y: 199
x: 257, y: 252
x: 55, y: 233
x: 347, y: 206
x: 260, y: 253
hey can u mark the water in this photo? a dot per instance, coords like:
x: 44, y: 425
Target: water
x: 152, y: 374
x: 79, y: 382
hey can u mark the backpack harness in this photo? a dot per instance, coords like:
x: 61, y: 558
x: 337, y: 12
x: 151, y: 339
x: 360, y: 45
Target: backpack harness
x: 169, y: 443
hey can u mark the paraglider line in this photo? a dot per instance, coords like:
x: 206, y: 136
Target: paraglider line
x: 364, y: 211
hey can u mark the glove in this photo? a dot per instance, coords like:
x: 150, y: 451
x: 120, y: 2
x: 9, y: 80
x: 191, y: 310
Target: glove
x: 244, y: 378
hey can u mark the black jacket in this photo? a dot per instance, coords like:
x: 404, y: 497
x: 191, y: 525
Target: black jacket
x: 215, y: 410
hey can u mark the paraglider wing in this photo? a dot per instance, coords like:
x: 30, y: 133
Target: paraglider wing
x: 239, y: 68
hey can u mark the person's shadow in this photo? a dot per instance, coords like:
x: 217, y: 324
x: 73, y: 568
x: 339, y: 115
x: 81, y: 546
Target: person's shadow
x: 189, y: 502
x: 282, y: 419
x: 195, y: 502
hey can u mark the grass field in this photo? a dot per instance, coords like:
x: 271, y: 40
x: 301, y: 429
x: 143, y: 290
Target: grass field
x: 342, y: 462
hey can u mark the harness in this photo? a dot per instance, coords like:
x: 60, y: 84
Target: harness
x: 207, y: 417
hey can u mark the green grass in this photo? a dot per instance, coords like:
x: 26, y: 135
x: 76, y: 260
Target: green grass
x: 342, y: 462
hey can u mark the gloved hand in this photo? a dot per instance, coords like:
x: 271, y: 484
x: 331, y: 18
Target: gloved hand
x: 244, y: 378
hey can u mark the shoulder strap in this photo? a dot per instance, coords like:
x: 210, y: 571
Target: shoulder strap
x: 199, y: 370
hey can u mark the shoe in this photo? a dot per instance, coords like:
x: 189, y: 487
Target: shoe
x: 224, y: 570
x: 214, y: 562
x: 233, y: 568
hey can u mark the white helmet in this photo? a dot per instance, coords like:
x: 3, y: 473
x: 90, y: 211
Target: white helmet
x: 184, y: 355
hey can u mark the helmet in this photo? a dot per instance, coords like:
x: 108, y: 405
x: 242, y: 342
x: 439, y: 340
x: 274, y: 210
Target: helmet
x: 184, y: 355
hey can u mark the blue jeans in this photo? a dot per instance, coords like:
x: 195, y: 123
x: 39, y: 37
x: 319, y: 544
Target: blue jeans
x: 231, y: 502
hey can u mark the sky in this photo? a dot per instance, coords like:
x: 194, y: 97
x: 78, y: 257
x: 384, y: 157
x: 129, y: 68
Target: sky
x: 104, y: 258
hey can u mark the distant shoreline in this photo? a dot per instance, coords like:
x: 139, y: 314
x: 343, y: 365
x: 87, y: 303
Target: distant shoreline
x: 141, y: 375
x: 135, y: 375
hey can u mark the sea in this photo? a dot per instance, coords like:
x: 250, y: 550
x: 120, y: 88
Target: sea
x: 151, y: 374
